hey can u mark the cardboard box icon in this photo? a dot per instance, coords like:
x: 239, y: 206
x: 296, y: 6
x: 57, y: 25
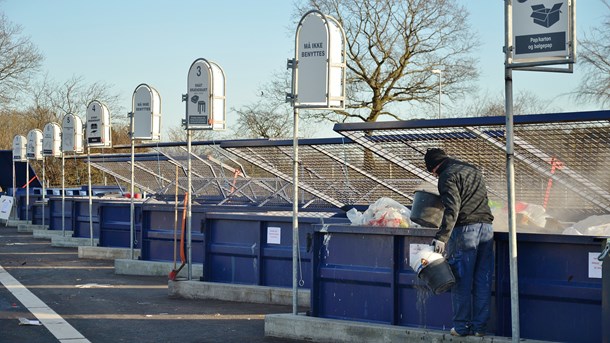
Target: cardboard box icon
x: 546, y: 16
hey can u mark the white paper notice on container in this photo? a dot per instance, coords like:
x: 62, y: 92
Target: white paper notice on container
x: 595, y: 266
x: 274, y: 235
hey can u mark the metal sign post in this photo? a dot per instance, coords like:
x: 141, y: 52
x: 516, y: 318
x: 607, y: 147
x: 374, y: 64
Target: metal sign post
x: 205, y: 110
x: 145, y: 124
x: 27, y: 190
x: 98, y: 135
x: 132, y: 181
x: 51, y: 146
x: 537, y: 35
x: 34, y: 152
x: 71, y: 140
x: 44, y: 192
x: 14, y: 193
x: 318, y: 82
x: 19, y: 155
x: 89, y: 194
x: 63, y: 194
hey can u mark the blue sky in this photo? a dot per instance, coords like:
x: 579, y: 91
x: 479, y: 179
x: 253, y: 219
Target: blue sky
x: 126, y: 43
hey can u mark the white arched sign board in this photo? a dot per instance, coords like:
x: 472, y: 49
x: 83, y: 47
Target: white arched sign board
x: 51, y: 140
x: 72, y: 134
x: 19, y: 144
x: 319, y: 80
x: 146, y: 108
x: 98, y: 125
x: 206, y: 100
x: 34, y: 145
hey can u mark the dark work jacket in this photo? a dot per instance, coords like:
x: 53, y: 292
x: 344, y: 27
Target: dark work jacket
x: 464, y: 195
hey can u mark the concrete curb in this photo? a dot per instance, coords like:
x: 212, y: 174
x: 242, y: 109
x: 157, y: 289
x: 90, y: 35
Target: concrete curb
x: 30, y: 227
x: 233, y: 292
x: 49, y: 234
x: 331, y: 330
x: 72, y: 242
x: 152, y: 268
x: 17, y: 222
x: 106, y: 253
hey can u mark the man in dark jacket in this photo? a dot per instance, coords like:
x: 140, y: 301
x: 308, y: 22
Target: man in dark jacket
x: 467, y: 232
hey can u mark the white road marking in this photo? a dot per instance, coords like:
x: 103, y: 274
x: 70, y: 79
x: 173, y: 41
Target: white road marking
x: 58, y: 326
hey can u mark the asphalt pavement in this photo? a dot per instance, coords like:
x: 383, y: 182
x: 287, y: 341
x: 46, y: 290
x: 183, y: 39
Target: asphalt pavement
x: 84, y: 297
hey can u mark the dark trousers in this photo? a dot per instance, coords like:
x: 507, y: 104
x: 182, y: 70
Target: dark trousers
x: 470, y: 254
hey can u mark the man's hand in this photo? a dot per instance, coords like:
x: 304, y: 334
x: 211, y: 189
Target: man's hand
x: 439, y: 246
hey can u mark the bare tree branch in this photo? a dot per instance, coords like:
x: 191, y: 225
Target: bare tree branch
x: 19, y: 61
x: 595, y: 59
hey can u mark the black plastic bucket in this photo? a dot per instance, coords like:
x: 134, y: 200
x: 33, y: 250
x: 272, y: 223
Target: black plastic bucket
x: 438, y: 276
x: 427, y: 209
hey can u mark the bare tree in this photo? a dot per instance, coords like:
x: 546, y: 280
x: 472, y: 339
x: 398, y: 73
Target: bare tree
x: 263, y: 121
x: 19, y: 61
x: 74, y: 95
x: 595, y: 57
x: 270, y: 116
x: 525, y: 102
x: 392, y: 48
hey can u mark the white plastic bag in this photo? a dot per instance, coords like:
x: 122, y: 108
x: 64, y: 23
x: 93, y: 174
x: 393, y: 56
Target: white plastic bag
x: 383, y: 212
x: 355, y: 217
x: 596, y: 225
x: 387, y: 212
x: 531, y: 214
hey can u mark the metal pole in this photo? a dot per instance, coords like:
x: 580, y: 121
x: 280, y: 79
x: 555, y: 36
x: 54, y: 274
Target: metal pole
x: 15, y: 207
x: 90, y: 196
x: 43, y: 188
x: 510, y: 176
x: 295, y: 213
x: 188, y: 207
x: 63, y: 194
x: 131, y: 204
x: 27, y: 190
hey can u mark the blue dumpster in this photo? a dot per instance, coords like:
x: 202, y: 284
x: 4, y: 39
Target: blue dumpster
x: 606, y: 292
x: 81, y: 217
x: 559, y: 296
x: 363, y: 274
x: 55, y: 206
x: 22, y: 204
x: 159, y: 231
x: 39, y: 211
x: 255, y: 247
x: 115, y: 223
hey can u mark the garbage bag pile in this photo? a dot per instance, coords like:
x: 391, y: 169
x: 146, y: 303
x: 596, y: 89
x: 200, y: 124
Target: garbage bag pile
x: 591, y: 226
x: 529, y: 218
x: 383, y: 212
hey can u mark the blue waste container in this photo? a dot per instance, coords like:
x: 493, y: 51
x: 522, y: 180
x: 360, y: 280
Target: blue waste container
x: 560, y: 294
x: 363, y: 273
x: 55, y: 213
x: 161, y: 233
x: 606, y: 292
x: 115, y: 223
x: 255, y: 247
x: 83, y: 217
